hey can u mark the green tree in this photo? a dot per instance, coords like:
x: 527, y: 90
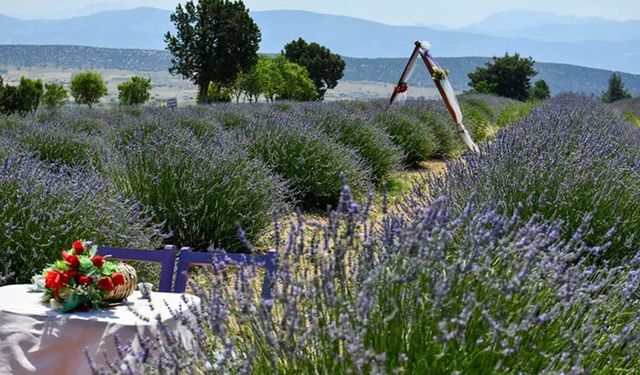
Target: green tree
x: 325, y: 68
x: 295, y: 83
x: 88, y: 87
x: 616, y: 90
x: 135, y: 91
x: 22, y: 98
x: 214, y: 41
x: 54, y: 96
x: 30, y: 92
x: 540, y: 90
x: 248, y: 84
x: 218, y: 93
x: 508, y: 76
x: 269, y: 77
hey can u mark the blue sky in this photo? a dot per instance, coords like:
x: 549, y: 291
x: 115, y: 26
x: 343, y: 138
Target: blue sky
x: 410, y: 12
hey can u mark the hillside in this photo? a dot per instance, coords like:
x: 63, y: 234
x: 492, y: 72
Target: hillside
x: 145, y: 27
x: 561, y: 77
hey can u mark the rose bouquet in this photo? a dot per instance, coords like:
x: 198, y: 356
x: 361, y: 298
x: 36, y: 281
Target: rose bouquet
x: 81, y: 280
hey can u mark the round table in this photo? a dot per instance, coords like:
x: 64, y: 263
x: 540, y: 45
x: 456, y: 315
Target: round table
x: 37, y: 340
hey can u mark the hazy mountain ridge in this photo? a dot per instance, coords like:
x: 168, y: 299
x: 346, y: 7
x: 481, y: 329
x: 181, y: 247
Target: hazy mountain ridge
x: 561, y: 77
x: 544, y: 26
x: 144, y: 28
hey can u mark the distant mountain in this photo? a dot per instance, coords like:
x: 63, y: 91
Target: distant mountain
x: 144, y: 28
x: 520, y: 19
x: 561, y: 78
x: 544, y: 26
x: 135, y: 28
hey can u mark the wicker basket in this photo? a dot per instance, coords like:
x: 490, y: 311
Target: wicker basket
x: 123, y: 291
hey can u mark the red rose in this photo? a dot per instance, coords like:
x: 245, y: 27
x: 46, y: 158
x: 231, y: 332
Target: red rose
x: 55, y: 279
x: 70, y: 274
x: 118, y: 279
x: 78, y: 246
x: 72, y: 261
x: 98, y: 261
x: 85, y: 280
x: 105, y: 283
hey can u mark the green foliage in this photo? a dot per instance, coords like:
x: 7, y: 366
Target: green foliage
x: 540, y: 90
x: 513, y: 113
x: 54, y: 96
x: 88, y: 87
x: 23, y: 98
x: 216, y: 94
x: 325, y: 68
x: 214, y: 41
x: 616, y: 90
x: 295, y: 83
x: 268, y: 76
x: 248, y: 84
x: 508, y: 76
x: 632, y: 118
x: 135, y: 92
x: 277, y: 79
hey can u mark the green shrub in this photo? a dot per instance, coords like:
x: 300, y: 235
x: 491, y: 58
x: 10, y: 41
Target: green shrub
x: 135, y: 91
x: 88, y: 87
x: 55, y: 96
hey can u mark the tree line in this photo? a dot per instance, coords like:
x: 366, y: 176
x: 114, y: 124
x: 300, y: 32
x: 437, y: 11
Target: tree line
x: 510, y: 76
x: 86, y: 88
x: 215, y: 46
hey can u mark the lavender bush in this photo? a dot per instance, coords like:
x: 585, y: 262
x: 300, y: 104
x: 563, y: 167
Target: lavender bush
x: 478, y: 117
x: 374, y: 145
x: 202, y: 191
x: 44, y: 210
x: 312, y: 162
x: 414, y: 137
x: 431, y: 290
x: 52, y: 143
x: 571, y: 157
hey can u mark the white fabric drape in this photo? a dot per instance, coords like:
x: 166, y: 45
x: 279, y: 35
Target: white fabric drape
x: 36, y: 340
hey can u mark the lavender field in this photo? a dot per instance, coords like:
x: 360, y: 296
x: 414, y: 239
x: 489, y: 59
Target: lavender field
x: 523, y: 258
x: 144, y: 177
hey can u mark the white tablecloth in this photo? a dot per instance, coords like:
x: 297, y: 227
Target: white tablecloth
x: 36, y: 340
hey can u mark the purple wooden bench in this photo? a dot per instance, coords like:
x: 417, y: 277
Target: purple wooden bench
x: 188, y: 259
x: 166, y: 257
